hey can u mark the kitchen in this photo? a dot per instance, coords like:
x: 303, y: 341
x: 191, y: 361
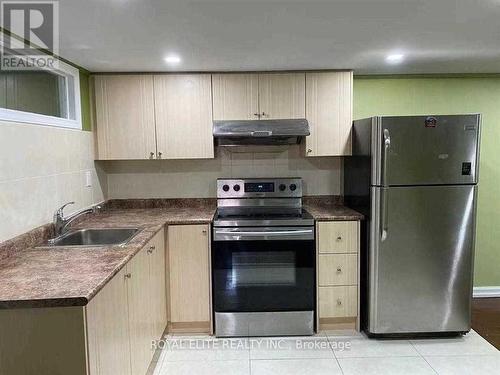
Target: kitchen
x: 218, y: 199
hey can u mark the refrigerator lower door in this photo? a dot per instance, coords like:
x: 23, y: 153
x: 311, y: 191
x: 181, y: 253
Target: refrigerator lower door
x: 420, y: 260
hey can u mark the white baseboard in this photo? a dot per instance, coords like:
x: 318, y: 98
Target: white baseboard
x: 486, y: 291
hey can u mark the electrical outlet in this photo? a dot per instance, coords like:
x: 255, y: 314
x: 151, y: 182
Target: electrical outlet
x: 88, y: 178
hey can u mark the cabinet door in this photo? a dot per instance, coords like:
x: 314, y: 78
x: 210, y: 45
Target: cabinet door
x: 235, y: 96
x: 189, y: 273
x: 157, y: 269
x: 183, y: 111
x: 108, y: 329
x: 329, y: 113
x: 125, y: 122
x: 140, y: 316
x: 282, y: 95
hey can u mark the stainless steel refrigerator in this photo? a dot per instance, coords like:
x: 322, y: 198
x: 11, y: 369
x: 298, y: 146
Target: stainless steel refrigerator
x: 415, y: 179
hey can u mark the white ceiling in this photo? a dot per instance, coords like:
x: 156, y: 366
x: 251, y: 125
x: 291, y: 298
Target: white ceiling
x: 436, y: 36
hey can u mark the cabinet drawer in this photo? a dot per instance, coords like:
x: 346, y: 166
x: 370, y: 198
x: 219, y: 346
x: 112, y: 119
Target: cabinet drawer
x: 338, y: 237
x: 338, y: 301
x: 338, y: 269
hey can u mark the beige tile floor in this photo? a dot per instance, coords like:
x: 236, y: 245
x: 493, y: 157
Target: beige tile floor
x: 326, y: 353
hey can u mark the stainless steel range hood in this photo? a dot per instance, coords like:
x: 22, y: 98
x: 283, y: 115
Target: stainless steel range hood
x: 260, y: 132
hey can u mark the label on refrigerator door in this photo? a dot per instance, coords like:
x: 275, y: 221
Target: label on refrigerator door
x: 466, y: 168
x: 430, y: 122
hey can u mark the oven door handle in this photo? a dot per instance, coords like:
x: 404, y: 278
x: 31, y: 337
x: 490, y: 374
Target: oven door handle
x: 235, y: 235
x: 275, y: 233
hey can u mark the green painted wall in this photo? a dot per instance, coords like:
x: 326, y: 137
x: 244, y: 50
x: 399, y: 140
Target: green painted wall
x: 85, y: 99
x: 420, y: 96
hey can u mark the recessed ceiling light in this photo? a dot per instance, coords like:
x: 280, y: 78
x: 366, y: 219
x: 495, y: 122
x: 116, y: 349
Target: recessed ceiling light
x: 172, y: 59
x: 395, y: 58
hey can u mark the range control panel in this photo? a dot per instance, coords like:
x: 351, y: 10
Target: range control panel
x: 260, y: 187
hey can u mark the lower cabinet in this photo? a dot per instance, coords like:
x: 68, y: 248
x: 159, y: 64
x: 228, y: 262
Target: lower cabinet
x: 108, y: 328
x: 112, y: 335
x: 140, y: 312
x: 189, y: 278
x: 338, y: 274
x: 158, y: 293
x: 128, y: 314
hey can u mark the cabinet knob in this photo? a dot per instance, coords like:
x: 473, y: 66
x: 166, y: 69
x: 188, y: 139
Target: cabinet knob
x: 263, y: 114
x: 151, y: 155
x: 128, y: 275
x: 204, y: 231
x: 151, y: 249
x: 309, y: 150
x: 339, y: 302
x: 339, y: 238
x: 339, y: 270
x: 159, y: 155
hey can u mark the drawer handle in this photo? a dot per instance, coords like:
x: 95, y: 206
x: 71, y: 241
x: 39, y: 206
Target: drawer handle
x: 339, y: 302
x: 204, y: 231
x: 339, y: 270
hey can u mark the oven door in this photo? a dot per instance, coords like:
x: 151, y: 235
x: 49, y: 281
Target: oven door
x: 260, y: 269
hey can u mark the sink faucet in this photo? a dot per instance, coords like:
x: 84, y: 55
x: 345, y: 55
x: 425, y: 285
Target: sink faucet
x: 61, y: 222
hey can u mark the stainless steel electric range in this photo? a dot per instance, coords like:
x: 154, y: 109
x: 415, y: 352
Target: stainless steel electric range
x: 263, y: 259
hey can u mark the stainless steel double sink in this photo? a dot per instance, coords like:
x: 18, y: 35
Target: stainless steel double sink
x: 95, y: 237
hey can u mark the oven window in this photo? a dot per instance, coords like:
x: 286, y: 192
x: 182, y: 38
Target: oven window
x: 263, y: 275
x: 261, y: 269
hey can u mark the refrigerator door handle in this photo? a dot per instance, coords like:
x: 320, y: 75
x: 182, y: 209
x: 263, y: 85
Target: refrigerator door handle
x: 384, y: 212
x: 384, y: 227
x: 387, y: 145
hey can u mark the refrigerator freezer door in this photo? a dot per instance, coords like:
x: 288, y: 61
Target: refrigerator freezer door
x: 424, y: 150
x: 420, y: 259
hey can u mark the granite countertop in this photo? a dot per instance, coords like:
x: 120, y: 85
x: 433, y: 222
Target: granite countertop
x: 71, y: 276
x: 330, y: 209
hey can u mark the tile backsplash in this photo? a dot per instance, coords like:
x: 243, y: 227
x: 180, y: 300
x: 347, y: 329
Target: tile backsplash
x: 42, y: 167
x: 196, y: 178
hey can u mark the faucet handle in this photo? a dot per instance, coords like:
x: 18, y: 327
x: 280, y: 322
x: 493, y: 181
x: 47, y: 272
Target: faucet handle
x: 61, y: 209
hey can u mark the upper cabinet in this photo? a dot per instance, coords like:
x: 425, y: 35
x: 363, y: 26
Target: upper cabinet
x: 236, y: 96
x: 282, y: 95
x: 329, y: 113
x: 125, y: 116
x: 169, y: 116
x: 183, y: 112
x: 153, y: 117
x: 259, y: 96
